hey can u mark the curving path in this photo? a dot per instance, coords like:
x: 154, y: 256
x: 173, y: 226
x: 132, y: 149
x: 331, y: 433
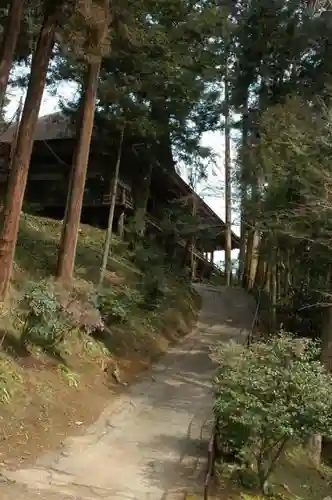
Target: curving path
x: 151, y: 445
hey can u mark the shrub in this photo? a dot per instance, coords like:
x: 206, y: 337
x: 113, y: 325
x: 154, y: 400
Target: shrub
x: 80, y: 304
x: 268, y: 395
x: 49, y: 311
x: 44, y: 321
x: 117, y: 306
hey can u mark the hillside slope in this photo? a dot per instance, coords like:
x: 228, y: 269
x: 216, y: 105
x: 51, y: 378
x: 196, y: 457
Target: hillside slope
x: 46, y: 394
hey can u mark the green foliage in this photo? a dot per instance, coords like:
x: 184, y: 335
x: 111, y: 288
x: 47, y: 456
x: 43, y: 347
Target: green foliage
x: 268, y: 395
x: 9, y: 381
x: 118, y: 306
x: 152, y: 260
x: 44, y: 321
x: 72, y: 378
x: 49, y: 311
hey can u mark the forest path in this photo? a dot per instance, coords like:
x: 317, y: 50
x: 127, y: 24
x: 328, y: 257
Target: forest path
x: 152, y: 443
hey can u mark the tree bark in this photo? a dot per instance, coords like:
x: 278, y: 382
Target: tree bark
x: 121, y: 220
x: 251, y: 259
x: 228, y: 188
x: 141, y: 203
x: 242, y: 252
x: 69, y: 236
x: 114, y: 187
x: 19, y: 166
x: 193, y: 263
x: 273, y: 295
x: 9, y: 40
x: 314, y: 447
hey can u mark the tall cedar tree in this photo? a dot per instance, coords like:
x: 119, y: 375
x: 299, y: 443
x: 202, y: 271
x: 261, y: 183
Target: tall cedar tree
x: 19, y: 166
x: 228, y: 189
x: 69, y: 236
x: 8, y: 44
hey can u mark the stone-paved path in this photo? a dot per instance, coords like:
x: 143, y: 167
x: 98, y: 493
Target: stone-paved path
x: 151, y: 444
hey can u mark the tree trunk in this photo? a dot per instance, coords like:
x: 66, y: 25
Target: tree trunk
x: 185, y: 257
x: 242, y: 252
x: 326, y: 336
x: 228, y: 188
x: 314, y: 447
x: 9, y: 40
x: 141, y: 203
x: 251, y: 263
x: 315, y: 442
x: 193, y: 263
x: 108, y: 237
x: 260, y: 270
x: 17, y: 123
x: 273, y: 295
x: 19, y: 166
x: 70, y: 228
x: 121, y: 220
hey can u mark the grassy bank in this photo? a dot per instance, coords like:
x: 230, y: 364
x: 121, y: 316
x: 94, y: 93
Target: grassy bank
x: 46, y: 394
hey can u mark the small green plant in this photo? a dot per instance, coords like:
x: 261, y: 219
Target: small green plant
x: 5, y: 395
x: 44, y: 320
x: 71, y: 377
x: 9, y: 382
x: 269, y: 395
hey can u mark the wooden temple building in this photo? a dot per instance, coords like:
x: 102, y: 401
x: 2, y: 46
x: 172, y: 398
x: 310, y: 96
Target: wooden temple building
x: 49, y: 175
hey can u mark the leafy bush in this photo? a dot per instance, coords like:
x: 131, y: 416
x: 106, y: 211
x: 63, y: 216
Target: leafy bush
x: 81, y: 307
x: 268, y: 395
x: 44, y: 321
x: 117, y: 306
x: 49, y: 311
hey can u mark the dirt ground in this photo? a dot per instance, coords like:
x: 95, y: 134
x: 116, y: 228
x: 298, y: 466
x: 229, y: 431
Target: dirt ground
x: 62, y: 397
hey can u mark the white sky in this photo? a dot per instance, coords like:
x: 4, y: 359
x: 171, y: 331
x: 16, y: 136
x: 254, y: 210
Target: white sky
x: 214, y: 140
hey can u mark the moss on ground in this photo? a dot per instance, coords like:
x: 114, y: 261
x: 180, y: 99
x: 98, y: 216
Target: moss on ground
x: 44, y: 396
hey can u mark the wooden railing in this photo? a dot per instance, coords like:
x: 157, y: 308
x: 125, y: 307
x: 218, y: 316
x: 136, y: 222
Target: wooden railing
x: 211, y: 461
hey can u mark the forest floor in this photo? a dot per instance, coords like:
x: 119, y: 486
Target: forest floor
x: 46, y: 397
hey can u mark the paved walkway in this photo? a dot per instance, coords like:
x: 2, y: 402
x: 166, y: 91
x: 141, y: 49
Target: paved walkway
x: 152, y: 444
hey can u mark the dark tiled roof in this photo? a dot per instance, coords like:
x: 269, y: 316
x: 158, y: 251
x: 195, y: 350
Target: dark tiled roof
x: 53, y: 126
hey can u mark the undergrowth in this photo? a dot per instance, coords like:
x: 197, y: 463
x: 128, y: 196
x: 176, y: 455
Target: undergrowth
x: 56, y: 341
x: 269, y: 398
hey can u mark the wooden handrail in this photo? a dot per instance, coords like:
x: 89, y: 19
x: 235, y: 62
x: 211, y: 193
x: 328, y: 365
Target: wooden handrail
x: 212, y: 449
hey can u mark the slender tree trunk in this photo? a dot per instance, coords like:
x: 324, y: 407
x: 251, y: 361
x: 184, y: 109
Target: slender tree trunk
x: 185, y: 257
x: 9, y: 40
x: 326, y: 334
x: 260, y: 270
x: 108, y: 237
x: 193, y: 262
x: 17, y: 123
x: 243, y: 189
x: 273, y: 295
x: 228, y: 187
x: 314, y: 447
x: 68, y: 243
x: 19, y: 166
x: 251, y: 259
x: 121, y: 220
x: 254, y: 259
x: 141, y: 203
